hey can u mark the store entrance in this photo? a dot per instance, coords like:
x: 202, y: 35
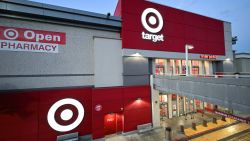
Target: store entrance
x: 163, y: 107
x: 113, y: 123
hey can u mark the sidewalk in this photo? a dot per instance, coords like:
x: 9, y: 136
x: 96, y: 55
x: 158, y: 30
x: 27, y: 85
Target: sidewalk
x: 159, y: 134
x: 187, y: 121
x: 154, y: 135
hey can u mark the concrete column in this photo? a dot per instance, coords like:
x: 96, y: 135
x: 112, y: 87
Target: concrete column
x: 184, y: 105
x: 210, y: 68
x: 155, y: 105
x: 195, y: 108
x: 180, y: 66
x: 178, y: 106
x: 153, y: 66
x: 201, y: 68
x: 190, y: 67
x: 166, y: 67
x: 170, y: 106
x: 174, y: 67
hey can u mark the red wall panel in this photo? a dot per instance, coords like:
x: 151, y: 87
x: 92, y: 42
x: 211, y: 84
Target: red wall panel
x: 111, y: 101
x: 180, y: 28
x: 18, y: 116
x: 121, y: 100
x: 22, y: 111
x: 133, y: 92
x: 136, y: 111
x: 23, y: 115
x: 131, y: 104
x: 49, y: 97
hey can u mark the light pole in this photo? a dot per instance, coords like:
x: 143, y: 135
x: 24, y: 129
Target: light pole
x: 187, y: 47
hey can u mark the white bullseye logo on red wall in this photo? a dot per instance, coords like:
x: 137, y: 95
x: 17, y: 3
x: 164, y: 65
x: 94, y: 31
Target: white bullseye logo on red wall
x: 65, y: 115
x: 152, y: 21
x: 11, y: 34
x: 30, y: 40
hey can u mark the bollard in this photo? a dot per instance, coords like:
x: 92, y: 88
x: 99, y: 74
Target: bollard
x: 223, y: 118
x: 194, y: 126
x: 182, y: 129
x: 214, y: 120
x: 237, y: 76
x: 168, y: 129
x: 204, y: 123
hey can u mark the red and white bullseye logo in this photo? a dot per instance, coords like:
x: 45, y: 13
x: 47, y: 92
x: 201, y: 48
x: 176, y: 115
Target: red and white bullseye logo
x: 10, y: 34
x: 66, y: 115
x: 151, y: 20
x: 98, y: 107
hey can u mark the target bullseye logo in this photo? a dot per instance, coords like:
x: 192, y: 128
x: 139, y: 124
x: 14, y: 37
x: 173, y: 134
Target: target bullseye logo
x: 10, y: 34
x: 156, y: 16
x: 65, y: 115
x: 152, y: 21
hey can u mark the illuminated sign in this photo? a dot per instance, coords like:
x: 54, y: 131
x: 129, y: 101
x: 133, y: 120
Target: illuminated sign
x: 29, y: 40
x: 233, y: 117
x: 65, y: 115
x: 212, y: 57
x: 152, y: 21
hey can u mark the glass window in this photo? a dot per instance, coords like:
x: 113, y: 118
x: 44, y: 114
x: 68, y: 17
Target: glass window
x: 195, y: 67
x: 159, y: 66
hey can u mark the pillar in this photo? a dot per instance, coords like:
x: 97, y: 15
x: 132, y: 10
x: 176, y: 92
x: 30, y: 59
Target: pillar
x: 166, y: 66
x: 170, y: 106
x: 201, y: 68
x: 210, y: 68
x: 180, y: 67
x: 155, y: 105
x: 174, y: 67
x: 190, y: 67
x: 184, y: 105
x: 195, y: 108
x: 177, y: 104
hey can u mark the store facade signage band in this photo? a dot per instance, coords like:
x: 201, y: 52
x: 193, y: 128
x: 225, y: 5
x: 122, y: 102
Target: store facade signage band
x: 153, y: 27
x: 211, y: 57
x: 29, y: 40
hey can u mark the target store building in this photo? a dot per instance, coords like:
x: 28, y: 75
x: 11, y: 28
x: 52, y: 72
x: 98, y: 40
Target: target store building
x: 65, y: 71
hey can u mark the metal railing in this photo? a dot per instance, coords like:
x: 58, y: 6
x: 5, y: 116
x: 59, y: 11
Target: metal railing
x: 216, y: 75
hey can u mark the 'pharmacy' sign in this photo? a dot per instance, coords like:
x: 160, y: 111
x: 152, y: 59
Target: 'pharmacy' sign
x: 21, y: 39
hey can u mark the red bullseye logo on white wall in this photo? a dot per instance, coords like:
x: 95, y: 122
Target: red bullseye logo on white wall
x: 11, y: 34
x: 65, y: 115
x: 152, y: 21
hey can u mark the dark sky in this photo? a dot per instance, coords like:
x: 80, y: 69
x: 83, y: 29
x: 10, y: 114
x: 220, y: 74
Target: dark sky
x: 235, y: 11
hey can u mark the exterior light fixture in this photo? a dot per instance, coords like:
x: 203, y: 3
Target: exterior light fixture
x: 228, y: 59
x: 108, y: 15
x: 187, y: 47
x: 138, y: 98
x: 137, y: 54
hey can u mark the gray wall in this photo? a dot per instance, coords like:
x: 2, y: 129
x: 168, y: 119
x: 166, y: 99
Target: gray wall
x: 228, y: 65
x: 72, y: 66
x: 242, y: 65
x: 135, y: 71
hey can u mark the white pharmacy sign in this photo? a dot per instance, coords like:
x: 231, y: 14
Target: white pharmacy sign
x: 29, y: 40
x: 28, y: 46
